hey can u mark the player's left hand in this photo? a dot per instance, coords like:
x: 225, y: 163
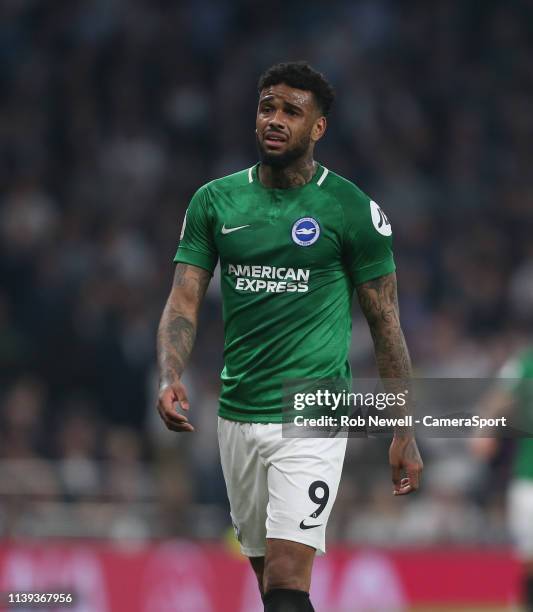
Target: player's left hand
x: 404, y: 458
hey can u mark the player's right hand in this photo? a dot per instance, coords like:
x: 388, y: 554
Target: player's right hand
x: 172, y: 398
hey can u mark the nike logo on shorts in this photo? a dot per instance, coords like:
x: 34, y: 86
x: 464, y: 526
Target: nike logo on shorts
x: 228, y: 230
x: 304, y: 526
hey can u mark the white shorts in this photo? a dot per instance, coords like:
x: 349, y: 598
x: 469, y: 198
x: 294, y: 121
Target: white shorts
x: 278, y: 487
x: 520, y: 511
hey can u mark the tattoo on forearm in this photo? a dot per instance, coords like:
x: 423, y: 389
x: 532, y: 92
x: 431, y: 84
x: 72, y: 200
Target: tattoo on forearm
x: 175, y: 341
x: 177, y: 329
x: 379, y: 302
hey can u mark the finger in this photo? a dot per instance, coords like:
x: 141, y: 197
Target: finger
x: 171, y: 412
x: 413, y: 474
x: 407, y: 486
x: 177, y: 421
x: 175, y: 417
x: 179, y: 428
x: 404, y: 490
x: 396, y: 476
x: 181, y: 396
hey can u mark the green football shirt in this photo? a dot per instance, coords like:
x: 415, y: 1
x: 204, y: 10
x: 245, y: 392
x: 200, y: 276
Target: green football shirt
x: 520, y: 372
x: 289, y: 262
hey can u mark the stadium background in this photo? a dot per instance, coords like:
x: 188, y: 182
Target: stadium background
x: 112, y: 113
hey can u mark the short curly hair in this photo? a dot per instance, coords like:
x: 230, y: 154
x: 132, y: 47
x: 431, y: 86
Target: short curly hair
x: 300, y: 75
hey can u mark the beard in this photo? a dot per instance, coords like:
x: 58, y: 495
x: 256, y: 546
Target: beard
x: 282, y: 160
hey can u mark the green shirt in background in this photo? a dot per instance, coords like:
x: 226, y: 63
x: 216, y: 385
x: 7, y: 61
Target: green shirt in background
x: 519, y: 371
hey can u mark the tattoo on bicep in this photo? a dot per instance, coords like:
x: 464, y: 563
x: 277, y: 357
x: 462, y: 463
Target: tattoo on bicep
x: 192, y: 278
x: 379, y: 301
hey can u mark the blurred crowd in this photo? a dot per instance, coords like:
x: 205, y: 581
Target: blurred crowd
x: 113, y: 112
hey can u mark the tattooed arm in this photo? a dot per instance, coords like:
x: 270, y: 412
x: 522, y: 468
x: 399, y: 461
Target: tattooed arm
x: 175, y: 339
x: 379, y: 303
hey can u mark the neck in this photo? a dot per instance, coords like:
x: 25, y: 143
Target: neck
x: 295, y: 175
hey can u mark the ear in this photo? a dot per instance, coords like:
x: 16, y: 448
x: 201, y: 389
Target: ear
x: 319, y: 128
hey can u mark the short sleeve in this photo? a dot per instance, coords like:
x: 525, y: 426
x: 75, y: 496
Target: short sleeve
x: 367, y: 240
x: 196, y: 245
